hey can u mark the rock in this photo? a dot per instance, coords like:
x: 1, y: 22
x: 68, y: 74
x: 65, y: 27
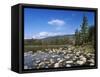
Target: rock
x: 60, y: 48
x: 39, y: 51
x: 50, y: 51
x: 60, y: 61
x: 69, y: 51
x: 25, y: 67
x: 64, y: 52
x: 53, y: 56
x: 69, y: 62
x: 76, y: 57
x: 78, y: 53
x: 56, y: 65
x: 68, y: 65
x: 88, y: 54
x: 41, y: 65
x: 91, y: 60
x: 66, y: 57
x: 69, y: 48
x: 47, y: 62
x: 80, y: 62
x: 25, y: 54
x: 71, y: 55
x: 83, y: 58
x: 45, y: 59
x: 51, y: 61
x: 30, y: 52
x: 46, y: 67
x: 37, y: 61
x: 91, y: 64
x: 53, y: 50
x: 46, y: 49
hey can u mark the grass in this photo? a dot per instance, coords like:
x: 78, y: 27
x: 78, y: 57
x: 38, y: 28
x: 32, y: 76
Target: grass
x: 41, y: 47
x: 85, y: 48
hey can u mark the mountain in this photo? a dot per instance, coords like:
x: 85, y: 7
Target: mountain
x: 54, y: 40
x: 59, y: 37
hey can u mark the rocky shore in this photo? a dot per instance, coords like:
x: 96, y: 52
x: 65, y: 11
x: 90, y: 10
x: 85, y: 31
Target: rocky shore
x: 58, y: 57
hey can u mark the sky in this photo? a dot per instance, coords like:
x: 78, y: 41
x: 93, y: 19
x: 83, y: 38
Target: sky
x: 41, y: 23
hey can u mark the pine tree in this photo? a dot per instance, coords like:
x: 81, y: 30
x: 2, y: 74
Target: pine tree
x: 82, y: 36
x: 91, y: 34
x: 77, y: 37
x: 84, y: 30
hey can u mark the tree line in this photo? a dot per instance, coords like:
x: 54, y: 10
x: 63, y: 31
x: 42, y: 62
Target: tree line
x: 85, y: 35
x: 51, y: 41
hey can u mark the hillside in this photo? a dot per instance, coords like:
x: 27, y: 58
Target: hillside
x: 55, y: 40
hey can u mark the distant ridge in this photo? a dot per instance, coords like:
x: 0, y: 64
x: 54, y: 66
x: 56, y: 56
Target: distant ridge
x: 70, y: 36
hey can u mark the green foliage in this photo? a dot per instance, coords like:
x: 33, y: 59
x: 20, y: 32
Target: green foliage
x: 77, y: 37
x: 91, y: 35
x: 86, y: 33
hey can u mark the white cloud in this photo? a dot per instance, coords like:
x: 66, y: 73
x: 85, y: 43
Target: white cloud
x: 41, y: 35
x: 56, y: 22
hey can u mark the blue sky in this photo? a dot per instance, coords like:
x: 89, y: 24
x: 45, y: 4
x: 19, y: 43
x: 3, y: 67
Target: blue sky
x: 41, y: 23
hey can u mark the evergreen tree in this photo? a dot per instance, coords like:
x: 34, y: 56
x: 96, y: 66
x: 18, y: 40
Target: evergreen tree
x: 91, y: 34
x: 84, y: 34
x: 77, y: 37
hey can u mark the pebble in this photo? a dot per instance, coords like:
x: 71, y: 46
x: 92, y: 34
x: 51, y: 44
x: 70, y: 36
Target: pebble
x: 91, y: 64
x: 67, y: 57
x: 91, y: 60
x: 60, y: 61
x: 37, y: 61
x: 83, y: 58
x: 80, y: 62
x: 68, y: 62
x: 25, y: 67
x: 52, y: 61
x: 56, y: 65
x: 41, y: 64
x: 30, y: 52
x: 68, y: 65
